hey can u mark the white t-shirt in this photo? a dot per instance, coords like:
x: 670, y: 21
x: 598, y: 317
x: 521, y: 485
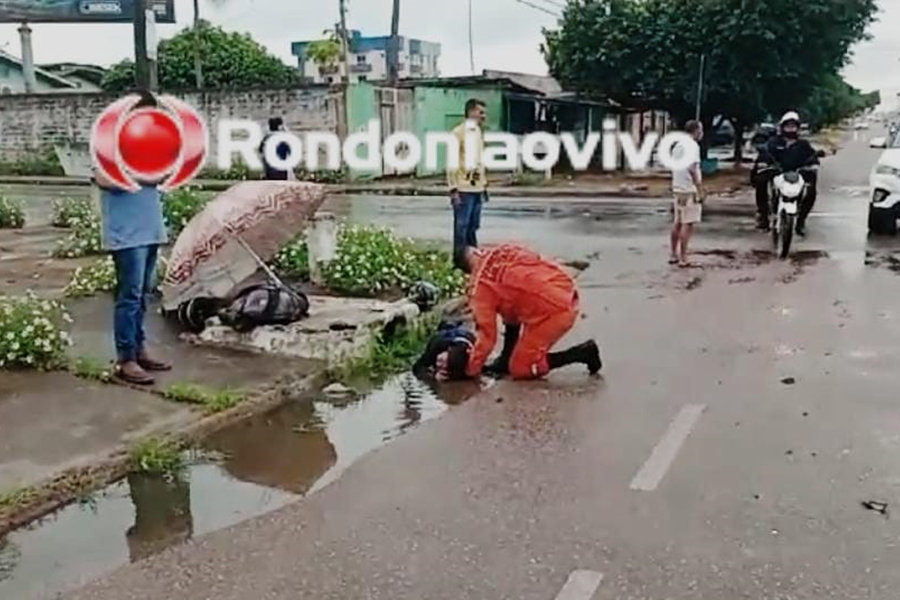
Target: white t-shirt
x: 681, y: 178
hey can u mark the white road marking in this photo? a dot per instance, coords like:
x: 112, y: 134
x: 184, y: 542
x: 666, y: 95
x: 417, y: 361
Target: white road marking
x: 580, y: 585
x: 665, y: 451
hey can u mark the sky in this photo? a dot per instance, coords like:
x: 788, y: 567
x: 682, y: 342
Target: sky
x: 505, y: 33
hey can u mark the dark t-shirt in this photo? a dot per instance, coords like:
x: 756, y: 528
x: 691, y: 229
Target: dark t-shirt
x: 283, y: 151
x: 791, y: 158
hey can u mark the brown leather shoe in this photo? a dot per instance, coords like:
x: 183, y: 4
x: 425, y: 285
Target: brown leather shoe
x: 131, y: 372
x: 149, y: 364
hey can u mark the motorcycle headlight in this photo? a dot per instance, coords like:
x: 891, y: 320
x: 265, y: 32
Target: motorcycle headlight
x: 887, y: 170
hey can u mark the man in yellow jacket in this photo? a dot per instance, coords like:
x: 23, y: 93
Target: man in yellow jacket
x: 467, y: 180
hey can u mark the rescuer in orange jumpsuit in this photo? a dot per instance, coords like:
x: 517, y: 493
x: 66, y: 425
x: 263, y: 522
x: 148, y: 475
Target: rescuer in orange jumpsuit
x: 538, y: 302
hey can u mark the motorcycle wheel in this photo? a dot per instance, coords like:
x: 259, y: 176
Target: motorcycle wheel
x: 787, y: 233
x: 774, y: 227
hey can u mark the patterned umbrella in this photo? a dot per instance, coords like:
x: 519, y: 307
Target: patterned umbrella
x: 233, y: 236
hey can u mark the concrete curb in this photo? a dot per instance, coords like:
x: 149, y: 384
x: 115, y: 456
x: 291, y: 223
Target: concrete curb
x: 636, y: 191
x: 73, y: 483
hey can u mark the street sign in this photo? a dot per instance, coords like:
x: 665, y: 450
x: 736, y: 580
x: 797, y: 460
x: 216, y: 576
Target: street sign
x: 81, y: 11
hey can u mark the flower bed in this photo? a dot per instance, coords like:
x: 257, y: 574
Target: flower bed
x: 70, y: 211
x: 180, y: 206
x: 32, y: 332
x: 12, y: 216
x: 83, y: 238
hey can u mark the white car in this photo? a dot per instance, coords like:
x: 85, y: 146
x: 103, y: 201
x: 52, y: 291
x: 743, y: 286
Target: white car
x: 884, y: 189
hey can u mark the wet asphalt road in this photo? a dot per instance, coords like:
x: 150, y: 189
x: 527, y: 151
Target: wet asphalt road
x: 747, y: 409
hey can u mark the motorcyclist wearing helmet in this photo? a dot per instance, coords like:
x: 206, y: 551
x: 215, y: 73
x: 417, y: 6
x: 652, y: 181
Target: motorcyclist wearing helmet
x: 791, y: 153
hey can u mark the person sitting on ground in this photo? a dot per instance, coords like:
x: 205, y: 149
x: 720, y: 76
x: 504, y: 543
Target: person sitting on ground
x: 448, y: 335
x: 538, y: 302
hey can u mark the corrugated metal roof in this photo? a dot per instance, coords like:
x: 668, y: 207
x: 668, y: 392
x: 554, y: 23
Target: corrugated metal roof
x: 542, y: 84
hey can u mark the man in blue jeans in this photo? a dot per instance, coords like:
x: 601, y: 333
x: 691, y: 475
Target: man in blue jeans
x: 468, y: 186
x: 133, y: 230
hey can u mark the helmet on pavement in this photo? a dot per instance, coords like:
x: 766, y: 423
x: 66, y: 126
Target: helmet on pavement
x: 789, y: 117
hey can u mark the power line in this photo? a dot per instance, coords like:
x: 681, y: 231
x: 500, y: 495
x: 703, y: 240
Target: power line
x: 540, y: 8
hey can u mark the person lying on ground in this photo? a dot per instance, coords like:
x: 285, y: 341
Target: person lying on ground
x: 537, y: 301
x: 447, y: 336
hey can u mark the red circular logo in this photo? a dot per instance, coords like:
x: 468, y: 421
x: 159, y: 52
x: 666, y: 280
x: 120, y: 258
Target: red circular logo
x: 149, y: 142
x: 165, y: 144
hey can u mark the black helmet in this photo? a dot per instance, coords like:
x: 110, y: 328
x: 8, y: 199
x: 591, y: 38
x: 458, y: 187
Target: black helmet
x: 424, y: 295
x: 194, y: 313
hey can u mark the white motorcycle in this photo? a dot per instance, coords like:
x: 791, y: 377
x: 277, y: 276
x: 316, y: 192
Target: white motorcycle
x: 786, y: 190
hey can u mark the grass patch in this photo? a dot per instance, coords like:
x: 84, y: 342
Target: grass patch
x: 212, y: 401
x: 92, y: 369
x: 386, y: 357
x: 156, y: 456
x: 529, y: 178
x: 12, y: 500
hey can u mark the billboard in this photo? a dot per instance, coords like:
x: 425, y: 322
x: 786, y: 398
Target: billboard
x: 81, y: 11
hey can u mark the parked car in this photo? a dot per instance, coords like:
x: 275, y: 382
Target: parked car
x: 878, y: 142
x: 762, y: 134
x: 884, y: 189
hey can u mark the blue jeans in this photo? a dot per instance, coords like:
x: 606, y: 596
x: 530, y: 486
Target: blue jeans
x: 467, y: 220
x: 135, y: 272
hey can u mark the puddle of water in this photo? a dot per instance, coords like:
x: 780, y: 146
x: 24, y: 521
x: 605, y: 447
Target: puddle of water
x: 882, y: 261
x: 268, y: 462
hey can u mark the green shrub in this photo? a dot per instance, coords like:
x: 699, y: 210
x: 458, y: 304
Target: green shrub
x: 238, y: 172
x: 372, y: 261
x: 84, y: 237
x: 322, y: 176
x: 89, y: 280
x: 101, y: 277
x: 71, y: 210
x: 182, y: 205
x: 293, y: 260
x: 12, y: 215
x: 45, y: 162
x: 32, y: 332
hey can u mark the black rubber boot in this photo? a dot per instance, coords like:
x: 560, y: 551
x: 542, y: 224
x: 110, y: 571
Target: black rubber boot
x: 586, y: 353
x: 510, y: 338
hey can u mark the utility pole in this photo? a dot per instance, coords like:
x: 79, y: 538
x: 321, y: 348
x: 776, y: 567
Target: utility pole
x: 700, y: 86
x: 345, y: 41
x: 27, y: 59
x: 144, y: 68
x: 198, y: 68
x: 394, y: 50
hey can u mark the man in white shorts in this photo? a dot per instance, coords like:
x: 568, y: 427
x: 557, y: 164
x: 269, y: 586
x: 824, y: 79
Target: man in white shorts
x: 687, y: 189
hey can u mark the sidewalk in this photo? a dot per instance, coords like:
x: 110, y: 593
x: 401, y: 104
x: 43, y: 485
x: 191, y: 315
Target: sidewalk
x: 634, y: 187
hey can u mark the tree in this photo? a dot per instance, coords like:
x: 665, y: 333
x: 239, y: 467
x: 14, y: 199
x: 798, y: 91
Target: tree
x: 326, y: 53
x: 229, y: 60
x: 831, y: 101
x: 760, y: 56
